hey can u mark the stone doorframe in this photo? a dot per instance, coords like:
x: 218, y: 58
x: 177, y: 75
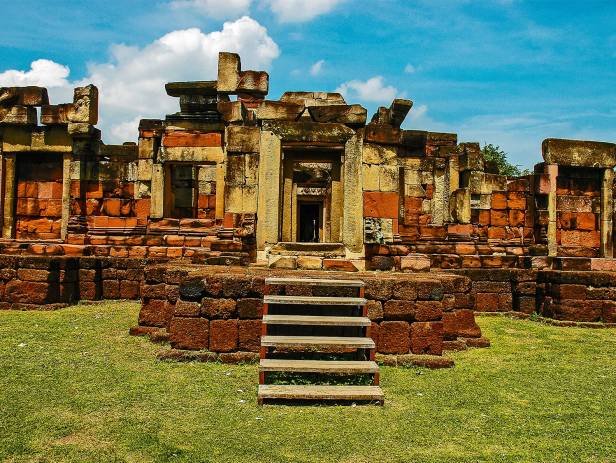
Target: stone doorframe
x: 274, y: 135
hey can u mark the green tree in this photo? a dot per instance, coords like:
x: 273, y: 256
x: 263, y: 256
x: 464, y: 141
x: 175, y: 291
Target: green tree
x: 495, y: 154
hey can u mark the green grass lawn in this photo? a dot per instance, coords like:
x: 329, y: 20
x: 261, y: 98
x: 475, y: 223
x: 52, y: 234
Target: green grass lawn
x: 75, y: 387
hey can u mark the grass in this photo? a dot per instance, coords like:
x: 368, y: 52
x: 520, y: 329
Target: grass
x: 75, y: 387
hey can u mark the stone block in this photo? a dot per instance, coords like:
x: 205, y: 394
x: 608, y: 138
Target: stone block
x: 187, y: 309
x: 243, y: 139
x: 393, y: 337
x: 232, y: 112
x: 155, y: 312
x: 343, y: 114
x: 189, y: 333
x: 23, y: 96
x: 309, y: 263
x: 578, y: 153
x: 399, y: 310
x: 415, y: 263
x: 19, y: 115
x: 253, y: 83
x: 249, y: 308
x: 460, y: 323
x: 427, y: 338
x: 85, y: 105
x: 428, y: 311
x: 381, y: 204
x: 218, y: 308
x: 375, y: 310
x: 249, y: 335
x: 229, y: 67
x: 279, y: 111
x: 223, y: 335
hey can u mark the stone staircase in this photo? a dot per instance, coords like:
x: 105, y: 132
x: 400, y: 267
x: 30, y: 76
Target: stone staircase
x: 319, y: 335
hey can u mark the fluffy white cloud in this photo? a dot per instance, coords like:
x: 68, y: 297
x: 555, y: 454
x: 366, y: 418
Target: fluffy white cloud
x: 132, y: 82
x: 372, y: 90
x: 317, y: 67
x: 290, y: 11
x: 217, y: 9
x: 42, y: 72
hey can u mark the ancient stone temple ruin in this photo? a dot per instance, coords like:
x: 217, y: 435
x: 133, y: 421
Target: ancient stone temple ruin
x: 235, y: 188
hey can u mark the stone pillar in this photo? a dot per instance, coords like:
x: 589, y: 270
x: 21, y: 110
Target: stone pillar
x: 158, y: 192
x: 268, y: 205
x: 440, y: 204
x: 607, y: 210
x: 552, y: 171
x: 353, y: 216
x: 220, y: 190
x: 66, y: 194
x: 8, y: 211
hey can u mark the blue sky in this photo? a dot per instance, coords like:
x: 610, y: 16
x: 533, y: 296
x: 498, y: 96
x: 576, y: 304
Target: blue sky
x: 509, y: 72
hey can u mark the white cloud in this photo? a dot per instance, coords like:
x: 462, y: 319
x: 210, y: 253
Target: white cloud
x: 372, y: 90
x: 217, y: 9
x: 42, y: 72
x: 132, y: 82
x: 290, y: 11
x: 317, y: 67
x: 410, y: 69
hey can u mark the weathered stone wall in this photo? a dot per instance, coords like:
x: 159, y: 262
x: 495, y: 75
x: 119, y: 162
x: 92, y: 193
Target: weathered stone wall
x: 29, y: 283
x: 203, y: 308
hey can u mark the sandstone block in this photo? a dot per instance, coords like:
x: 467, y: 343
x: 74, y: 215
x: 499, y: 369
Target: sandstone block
x: 343, y: 114
x: 229, y: 67
x: 21, y: 115
x: 579, y: 153
x: 23, y: 96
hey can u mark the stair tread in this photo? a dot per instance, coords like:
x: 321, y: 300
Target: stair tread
x: 352, y: 342
x: 315, y: 320
x: 315, y: 392
x: 314, y: 300
x: 314, y: 282
x: 318, y: 366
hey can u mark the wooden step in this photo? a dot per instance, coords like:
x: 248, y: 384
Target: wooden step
x: 319, y: 366
x: 312, y: 392
x: 314, y: 320
x: 314, y: 300
x: 314, y: 282
x: 317, y: 341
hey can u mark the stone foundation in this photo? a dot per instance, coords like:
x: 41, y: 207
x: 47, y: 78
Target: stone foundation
x: 219, y: 310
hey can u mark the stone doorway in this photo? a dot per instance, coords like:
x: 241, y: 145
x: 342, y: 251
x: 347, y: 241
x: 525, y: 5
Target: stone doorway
x: 312, y: 197
x: 310, y: 217
x: 180, y: 191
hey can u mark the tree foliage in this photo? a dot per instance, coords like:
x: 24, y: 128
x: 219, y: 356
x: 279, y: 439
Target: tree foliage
x: 495, y: 154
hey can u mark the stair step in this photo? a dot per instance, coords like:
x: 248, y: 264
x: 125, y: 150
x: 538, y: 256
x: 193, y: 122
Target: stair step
x: 314, y: 300
x: 312, y: 392
x: 315, y: 320
x: 319, y: 366
x: 314, y: 282
x: 317, y: 341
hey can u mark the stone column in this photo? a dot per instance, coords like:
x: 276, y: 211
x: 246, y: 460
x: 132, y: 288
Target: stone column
x: 8, y: 211
x: 552, y: 171
x: 220, y: 190
x: 158, y: 192
x: 607, y: 210
x: 268, y: 205
x: 66, y: 194
x: 353, y: 215
x: 440, y: 204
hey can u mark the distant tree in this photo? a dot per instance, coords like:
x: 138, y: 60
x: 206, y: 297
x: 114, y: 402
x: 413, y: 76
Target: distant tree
x: 495, y: 154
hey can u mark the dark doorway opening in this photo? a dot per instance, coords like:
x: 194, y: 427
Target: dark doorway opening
x: 309, y: 222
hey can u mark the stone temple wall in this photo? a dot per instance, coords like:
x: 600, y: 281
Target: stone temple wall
x: 222, y: 181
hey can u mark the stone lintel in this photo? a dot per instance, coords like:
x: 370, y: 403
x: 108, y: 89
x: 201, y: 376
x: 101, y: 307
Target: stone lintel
x: 579, y: 153
x: 192, y: 154
x: 23, y: 96
x: 178, y: 89
x: 309, y: 132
